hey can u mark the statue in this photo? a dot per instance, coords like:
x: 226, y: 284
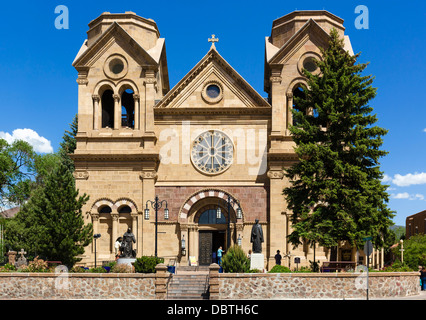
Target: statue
x: 256, y: 237
x: 127, y: 245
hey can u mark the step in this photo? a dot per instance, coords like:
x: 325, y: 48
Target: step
x: 191, y: 285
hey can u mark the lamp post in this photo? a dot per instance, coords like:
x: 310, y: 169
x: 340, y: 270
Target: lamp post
x: 96, y: 237
x: 156, y: 205
x: 239, y: 216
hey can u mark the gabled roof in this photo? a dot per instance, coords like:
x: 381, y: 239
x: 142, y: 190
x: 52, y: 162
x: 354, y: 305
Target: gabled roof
x: 213, y: 62
x: 276, y: 56
x: 87, y: 55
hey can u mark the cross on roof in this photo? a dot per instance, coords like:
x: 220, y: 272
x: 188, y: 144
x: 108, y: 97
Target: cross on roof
x: 213, y: 39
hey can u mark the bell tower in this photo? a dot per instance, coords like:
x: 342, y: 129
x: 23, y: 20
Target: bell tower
x: 122, y: 73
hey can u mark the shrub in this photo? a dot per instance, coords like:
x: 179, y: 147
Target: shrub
x: 37, y: 265
x: 123, y: 268
x: 279, y: 269
x: 97, y: 270
x: 235, y: 260
x: 7, y: 268
x: 147, y: 264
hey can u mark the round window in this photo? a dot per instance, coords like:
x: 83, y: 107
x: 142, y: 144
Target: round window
x: 212, y: 152
x: 309, y: 64
x: 213, y: 91
x: 116, y: 66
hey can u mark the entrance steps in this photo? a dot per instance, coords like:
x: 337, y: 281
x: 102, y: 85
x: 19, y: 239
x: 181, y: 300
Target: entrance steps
x: 189, y: 283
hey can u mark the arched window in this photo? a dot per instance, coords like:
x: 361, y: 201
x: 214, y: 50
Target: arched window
x: 127, y: 109
x: 125, y: 209
x: 107, y: 109
x: 105, y: 209
x: 297, y: 93
x: 209, y: 217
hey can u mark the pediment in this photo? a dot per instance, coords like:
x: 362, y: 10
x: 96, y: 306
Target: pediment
x: 311, y: 31
x: 190, y: 94
x: 114, y: 35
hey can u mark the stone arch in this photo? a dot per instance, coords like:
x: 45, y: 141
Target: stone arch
x: 207, y: 193
x: 125, y: 202
x: 100, y: 203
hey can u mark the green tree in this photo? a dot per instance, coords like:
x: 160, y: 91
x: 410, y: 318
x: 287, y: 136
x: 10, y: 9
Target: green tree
x: 69, y: 144
x: 414, y: 251
x: 235, y: 260
x: 17, y: 171
x: 336, y: 191
x: 51, y: 223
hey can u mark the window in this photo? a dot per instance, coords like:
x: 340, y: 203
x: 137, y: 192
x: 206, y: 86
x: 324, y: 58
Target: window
x: 209, y: 217
x: 297, y: 93
x: 107, y: 102
x: 212, y: 92
x: 212, y: 152
x: 105, y: 209
x: 125, y: 209
x: 127, y: 109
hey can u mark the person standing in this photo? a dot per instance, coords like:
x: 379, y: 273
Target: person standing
x: 278, y: 258
x: 423, y: 278
x: 219, y: 255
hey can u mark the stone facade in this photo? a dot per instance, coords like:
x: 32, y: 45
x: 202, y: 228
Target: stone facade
x: 138, y: 139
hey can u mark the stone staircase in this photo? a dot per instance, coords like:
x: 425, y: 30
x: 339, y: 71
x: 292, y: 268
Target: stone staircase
x: 189, y: 283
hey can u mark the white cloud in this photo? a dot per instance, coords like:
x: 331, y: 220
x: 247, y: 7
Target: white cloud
x: 386, y: 178
x: 406, y: 195
x: 40, y: 144
x: 409, y: 179
x: 424, y: 130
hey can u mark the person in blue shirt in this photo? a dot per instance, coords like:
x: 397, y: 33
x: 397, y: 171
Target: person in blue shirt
x: 219, y: 255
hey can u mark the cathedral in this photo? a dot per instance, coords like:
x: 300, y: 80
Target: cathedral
x: 191, y: 168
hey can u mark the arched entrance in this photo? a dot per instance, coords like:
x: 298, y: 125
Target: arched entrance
x: 203, y: 230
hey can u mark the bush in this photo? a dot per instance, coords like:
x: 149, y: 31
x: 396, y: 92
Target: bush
x: 147, y: 264
x: 97, y: 270
x: 122, y: 268
x: 8, y: 268
x: 235, y: 260
x: 37, y: 265
x: 279, y: 269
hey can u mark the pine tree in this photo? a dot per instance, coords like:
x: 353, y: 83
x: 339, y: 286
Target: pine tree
x: 52, y: 220
x: 336, y: 191
x: 69, y: 144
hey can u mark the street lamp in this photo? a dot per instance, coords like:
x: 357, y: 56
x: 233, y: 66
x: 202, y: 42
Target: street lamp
x: 96, y: 236
x: 239, y: 214
x: 156, y: 205
x: 183, y: 246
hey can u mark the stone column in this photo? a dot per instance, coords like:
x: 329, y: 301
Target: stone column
x: 12, y: 257
x: 161, y: 282
x: 214, y: 281
x: 289, y: 117
x: 114, y: 218
x: 148, y: 229
x: 278, y: 102
x: 135, y: 229
x: 95, y: 223
x: 278, y: 223
x: 136, y: 99
x: 96, y: 113
x: 150, y: 84
x: 117, y: 112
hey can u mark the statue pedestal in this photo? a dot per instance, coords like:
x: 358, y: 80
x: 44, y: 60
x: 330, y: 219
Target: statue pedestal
x: 128, y: 261
x: 257, y: 261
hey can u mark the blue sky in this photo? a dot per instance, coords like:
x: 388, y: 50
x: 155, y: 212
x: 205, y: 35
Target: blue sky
x: 39, y: 90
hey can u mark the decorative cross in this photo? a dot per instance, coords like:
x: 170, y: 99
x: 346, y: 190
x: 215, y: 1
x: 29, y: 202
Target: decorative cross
x: 213, y: 39
x: 22, y: 252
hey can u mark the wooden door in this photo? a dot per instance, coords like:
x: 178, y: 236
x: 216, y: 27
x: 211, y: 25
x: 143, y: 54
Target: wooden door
x: 205, y: 245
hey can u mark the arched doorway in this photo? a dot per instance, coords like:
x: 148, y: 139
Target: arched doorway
x: 202, y: 230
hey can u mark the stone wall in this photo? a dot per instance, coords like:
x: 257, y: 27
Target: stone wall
x: 19, y: 285
x: 312, y: 285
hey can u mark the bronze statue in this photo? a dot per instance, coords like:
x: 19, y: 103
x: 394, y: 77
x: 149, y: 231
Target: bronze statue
x: 256, y: 237
x: 127, y: 245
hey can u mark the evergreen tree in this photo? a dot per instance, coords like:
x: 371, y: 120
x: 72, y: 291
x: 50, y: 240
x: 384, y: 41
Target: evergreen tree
x: 336, y: 191
x: 69, y: 144
x: 51, y: 223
